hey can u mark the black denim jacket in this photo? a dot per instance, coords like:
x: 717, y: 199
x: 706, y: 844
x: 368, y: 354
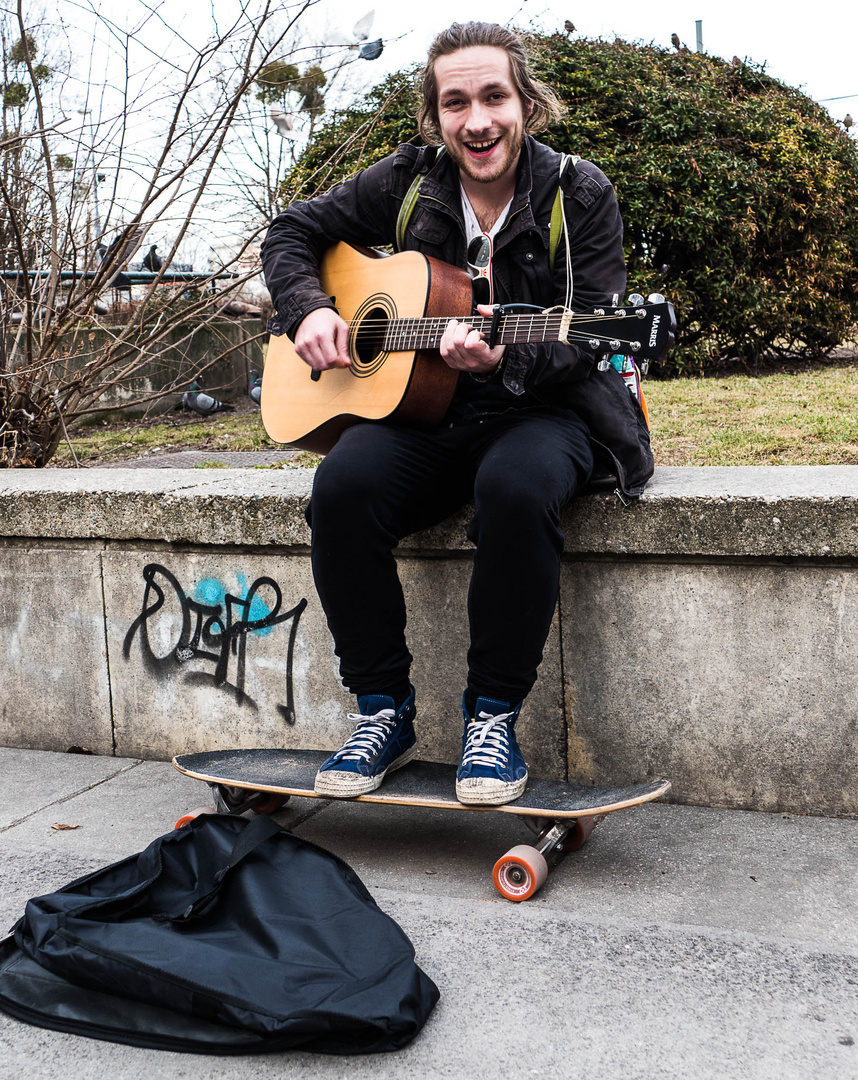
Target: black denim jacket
x: 364, y: 210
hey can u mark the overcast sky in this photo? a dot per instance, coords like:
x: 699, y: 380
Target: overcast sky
x: 813, y: 50
x: 811, y: 46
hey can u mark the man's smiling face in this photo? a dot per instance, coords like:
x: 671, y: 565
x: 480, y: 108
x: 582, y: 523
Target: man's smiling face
x: 480, y: 113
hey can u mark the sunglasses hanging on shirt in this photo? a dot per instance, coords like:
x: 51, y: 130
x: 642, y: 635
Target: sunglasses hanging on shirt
x: 480, y: 268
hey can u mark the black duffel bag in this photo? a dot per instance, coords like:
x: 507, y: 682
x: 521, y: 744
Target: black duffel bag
x: 225, y: 936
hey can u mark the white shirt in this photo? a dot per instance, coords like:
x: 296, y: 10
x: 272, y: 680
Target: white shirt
x: 472, y: 226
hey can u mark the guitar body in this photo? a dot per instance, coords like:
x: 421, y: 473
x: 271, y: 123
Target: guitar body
x: 411, y: 386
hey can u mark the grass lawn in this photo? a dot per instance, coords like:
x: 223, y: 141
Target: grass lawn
x: 804, y: 417
x: 106, y: 443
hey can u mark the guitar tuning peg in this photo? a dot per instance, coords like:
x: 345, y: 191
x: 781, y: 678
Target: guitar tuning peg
x: 615, y: 346
x: 655, y: 298
x: 603, y: 365
x: 594, y: 343
x: 635, y: 300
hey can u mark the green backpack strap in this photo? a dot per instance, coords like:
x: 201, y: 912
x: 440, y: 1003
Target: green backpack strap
x: 406, y: 209
x: 556, y: 228
x: 408, y: 203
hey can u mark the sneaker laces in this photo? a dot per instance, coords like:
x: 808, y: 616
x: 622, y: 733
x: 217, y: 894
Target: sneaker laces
x: 488, y: 740
x: 368, y: 737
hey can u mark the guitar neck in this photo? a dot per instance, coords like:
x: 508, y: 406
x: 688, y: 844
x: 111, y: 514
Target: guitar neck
x: 625, y: 331
x: 414, y: 334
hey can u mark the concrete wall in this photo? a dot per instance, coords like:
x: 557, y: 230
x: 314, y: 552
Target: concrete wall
x: 706, y: 634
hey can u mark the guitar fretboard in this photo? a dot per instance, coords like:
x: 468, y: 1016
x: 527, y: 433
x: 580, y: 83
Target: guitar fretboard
x: 411, y: 335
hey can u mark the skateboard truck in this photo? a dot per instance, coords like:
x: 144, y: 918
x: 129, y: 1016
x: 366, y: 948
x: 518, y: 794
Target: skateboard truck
x: 235, y: 800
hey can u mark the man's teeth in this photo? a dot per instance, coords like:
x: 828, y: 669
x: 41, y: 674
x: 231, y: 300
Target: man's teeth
x: 481, y: 145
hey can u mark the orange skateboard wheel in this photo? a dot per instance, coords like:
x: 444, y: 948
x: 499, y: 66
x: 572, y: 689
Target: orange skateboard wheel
x: 579, y: 833
x: 195, y: 813
x: 518, y: 874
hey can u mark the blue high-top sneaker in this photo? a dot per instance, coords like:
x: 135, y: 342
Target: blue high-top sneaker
x: 383, y: 739
x: 492, y: 770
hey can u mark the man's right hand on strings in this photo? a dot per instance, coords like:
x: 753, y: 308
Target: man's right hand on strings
x: 322, y: 340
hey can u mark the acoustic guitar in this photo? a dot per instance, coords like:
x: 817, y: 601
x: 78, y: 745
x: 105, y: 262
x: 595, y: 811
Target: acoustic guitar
x: 397, y: 309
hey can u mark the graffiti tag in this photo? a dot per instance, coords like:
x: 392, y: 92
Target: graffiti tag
x: 215, y: 626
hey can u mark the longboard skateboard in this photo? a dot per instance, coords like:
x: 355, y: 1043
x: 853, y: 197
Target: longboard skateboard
x: 562, y: 815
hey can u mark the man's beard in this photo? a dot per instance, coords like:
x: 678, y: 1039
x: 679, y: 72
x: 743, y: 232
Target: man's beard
x: 471, y: 169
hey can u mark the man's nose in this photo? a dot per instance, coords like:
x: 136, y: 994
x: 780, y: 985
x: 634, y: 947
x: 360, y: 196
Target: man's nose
x: 479, y: 118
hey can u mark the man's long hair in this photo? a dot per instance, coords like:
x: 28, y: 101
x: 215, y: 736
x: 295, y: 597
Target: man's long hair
x: 545, y: 105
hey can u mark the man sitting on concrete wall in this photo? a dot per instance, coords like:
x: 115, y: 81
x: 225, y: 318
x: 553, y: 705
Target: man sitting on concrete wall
x: 516, y: 439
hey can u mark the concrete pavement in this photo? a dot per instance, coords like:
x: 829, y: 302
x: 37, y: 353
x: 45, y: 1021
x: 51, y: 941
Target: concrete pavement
x: 680, y: 942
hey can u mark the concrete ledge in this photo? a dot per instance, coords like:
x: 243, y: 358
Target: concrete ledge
x: 767, y: 511
x: 708, y: 633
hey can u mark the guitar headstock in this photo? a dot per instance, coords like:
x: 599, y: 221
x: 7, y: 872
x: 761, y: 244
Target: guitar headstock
x: 645, y: 331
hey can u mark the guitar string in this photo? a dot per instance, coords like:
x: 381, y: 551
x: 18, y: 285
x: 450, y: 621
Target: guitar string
x: 421, y: 327
x: 403, y: 338
x: 572, y: 336
x: 423, y: 331
x: 482, y: 320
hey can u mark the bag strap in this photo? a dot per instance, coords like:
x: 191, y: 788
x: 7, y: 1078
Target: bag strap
x: 261, y: 829
x: 408, y: 203
x: 406, y: 209
x: 556, y: 227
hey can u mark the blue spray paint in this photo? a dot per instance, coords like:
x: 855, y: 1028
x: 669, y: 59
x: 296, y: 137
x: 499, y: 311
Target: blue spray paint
x: 212, y: 593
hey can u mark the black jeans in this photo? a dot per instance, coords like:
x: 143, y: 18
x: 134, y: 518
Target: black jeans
x: 381, y: 483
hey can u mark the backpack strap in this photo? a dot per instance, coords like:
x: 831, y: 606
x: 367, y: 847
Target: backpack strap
x: 406, y: 209
x: 556, y: 228
x: 409, y: 202
x: 256, y: 832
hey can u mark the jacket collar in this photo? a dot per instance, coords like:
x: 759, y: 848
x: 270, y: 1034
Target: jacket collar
x: 440, y: 189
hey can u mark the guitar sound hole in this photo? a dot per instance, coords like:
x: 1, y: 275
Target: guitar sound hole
x: 369, y: 339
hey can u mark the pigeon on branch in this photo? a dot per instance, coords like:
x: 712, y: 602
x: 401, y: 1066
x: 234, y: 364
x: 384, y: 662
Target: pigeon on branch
x: 285, y: 123
x: 203, y: 404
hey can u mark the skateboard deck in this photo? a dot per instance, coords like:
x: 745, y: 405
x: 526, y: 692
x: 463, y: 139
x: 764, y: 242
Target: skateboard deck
x: 420, y: 783
x: 562, y: 814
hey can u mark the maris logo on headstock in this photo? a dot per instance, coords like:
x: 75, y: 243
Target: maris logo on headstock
x: 643, y: 330
x: 653, y: 333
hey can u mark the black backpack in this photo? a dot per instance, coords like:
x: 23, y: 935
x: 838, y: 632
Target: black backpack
x: 225, y: 936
